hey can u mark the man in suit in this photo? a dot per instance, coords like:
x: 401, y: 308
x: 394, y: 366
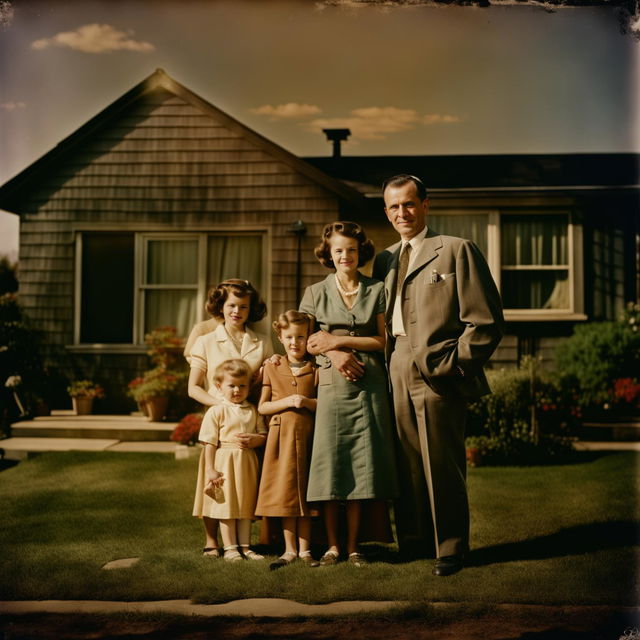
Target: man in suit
x: 444, y: 320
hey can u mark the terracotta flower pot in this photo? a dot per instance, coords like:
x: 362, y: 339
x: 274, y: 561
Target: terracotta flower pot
x: 474, y: 456
x: 142, y: 408
x: 82, y: 405
x: 157, y: 408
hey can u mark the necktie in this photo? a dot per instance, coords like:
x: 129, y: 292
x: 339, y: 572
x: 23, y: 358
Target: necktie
x: 403, y: 265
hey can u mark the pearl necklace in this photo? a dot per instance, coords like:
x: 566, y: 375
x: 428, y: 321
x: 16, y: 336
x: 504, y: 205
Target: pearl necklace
x: 345, y: 292
x: 236, y: 341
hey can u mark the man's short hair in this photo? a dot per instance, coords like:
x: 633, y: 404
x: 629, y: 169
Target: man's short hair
x: 404, y: 178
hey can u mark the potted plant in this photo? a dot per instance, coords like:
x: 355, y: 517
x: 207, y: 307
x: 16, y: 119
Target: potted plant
x: 133, y: 391
x: 82, y: 394
x: 476, y: 447
x: 155, y: 389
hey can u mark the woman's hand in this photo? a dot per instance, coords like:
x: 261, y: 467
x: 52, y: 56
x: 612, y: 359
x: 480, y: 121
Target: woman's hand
x: 321, y: 342
x: 250, y: 440
x: 274, y: 360
x: 347, y: 364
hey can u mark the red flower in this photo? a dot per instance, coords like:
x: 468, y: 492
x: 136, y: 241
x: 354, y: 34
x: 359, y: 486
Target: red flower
x: 187, y: 430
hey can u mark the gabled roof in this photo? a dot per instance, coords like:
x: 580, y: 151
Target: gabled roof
x: 12, y: 192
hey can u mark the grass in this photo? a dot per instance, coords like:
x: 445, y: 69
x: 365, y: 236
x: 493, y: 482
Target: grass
x: 549, y: 535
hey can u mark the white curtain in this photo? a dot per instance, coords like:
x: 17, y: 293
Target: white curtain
x: 166, y: 307
x: 472, y: 227
x: 532, y: 241
x: 235, y: 257
x: 171, y: 262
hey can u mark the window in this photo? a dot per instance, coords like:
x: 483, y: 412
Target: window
x: 133, y: 282
x: 535, y: 258
x: 535, y: 261
x: 169, y: 285
x: 107, y: 286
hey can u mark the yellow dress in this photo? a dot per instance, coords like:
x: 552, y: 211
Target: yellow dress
x: 236, y: 499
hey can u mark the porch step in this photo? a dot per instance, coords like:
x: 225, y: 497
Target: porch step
x: 606, y: 446
x: 22, y: 448
x: 621, y: 430
x: 131, y: 428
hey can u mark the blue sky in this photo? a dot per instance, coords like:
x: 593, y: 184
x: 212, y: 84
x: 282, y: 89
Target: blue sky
x: 406, y: 80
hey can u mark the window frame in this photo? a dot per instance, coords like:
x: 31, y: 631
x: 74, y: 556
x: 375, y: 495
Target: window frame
x: 141, y: 238
x: 494, y: 259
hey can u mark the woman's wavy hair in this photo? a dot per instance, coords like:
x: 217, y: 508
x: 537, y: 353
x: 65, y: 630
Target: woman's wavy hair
x: 218, y: 295
x: 366, y: 249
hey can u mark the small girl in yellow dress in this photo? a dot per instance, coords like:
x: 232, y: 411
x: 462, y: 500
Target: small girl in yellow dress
x: 230, y: 432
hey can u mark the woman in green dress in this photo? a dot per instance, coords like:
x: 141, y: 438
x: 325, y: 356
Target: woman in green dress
x: 352, y: 456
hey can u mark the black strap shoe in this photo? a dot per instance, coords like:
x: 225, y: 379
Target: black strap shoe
x: 447, y: 565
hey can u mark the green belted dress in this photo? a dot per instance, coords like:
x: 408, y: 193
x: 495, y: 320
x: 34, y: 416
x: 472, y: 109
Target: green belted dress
x: 352, y: 456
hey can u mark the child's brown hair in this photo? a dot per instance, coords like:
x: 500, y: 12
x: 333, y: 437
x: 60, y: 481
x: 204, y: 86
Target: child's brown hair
x: 292, y: 317
x: 235, y: 367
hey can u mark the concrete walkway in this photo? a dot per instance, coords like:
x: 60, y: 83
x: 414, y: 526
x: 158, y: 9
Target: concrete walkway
x: 266, y: 607
x: 273, y: 607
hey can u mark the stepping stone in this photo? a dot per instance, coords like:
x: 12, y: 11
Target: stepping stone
x: 121, y: 563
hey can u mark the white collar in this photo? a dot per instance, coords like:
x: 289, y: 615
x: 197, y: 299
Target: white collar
x: 222, y: 336
x: 416, y: 241
x: 244, y: 404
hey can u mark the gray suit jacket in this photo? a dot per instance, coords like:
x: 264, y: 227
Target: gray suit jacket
x: 453, y: 322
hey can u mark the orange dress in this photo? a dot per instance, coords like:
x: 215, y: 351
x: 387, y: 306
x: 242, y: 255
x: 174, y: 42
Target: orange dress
x: 285, y: 470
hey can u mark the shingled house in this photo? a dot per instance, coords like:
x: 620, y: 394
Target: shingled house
x: 126, y: 222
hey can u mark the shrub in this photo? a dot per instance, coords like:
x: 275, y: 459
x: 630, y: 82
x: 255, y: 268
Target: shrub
x: 8, y: 280
x: 530, y: 417
x: 626, y: 392
x: 600, y: 352
x: 20, y: 356
x: 187, y: 430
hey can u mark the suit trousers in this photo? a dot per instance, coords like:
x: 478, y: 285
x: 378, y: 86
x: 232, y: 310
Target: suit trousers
x: 433, y: 509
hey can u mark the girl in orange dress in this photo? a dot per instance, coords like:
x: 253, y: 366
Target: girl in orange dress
x: 289, y: 397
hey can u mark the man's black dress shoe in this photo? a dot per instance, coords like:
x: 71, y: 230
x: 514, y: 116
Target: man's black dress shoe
x: 447, y: 565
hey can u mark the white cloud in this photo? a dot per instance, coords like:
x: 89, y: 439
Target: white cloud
x: 371, y: 123
x: 376, y: 123
x: 290, y: 110
x: 95, y: 38
x: 11, y: 106
x: 436, y: 118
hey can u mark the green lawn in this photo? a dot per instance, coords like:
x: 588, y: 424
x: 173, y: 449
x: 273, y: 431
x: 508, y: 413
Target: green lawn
x: 550, y: 535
